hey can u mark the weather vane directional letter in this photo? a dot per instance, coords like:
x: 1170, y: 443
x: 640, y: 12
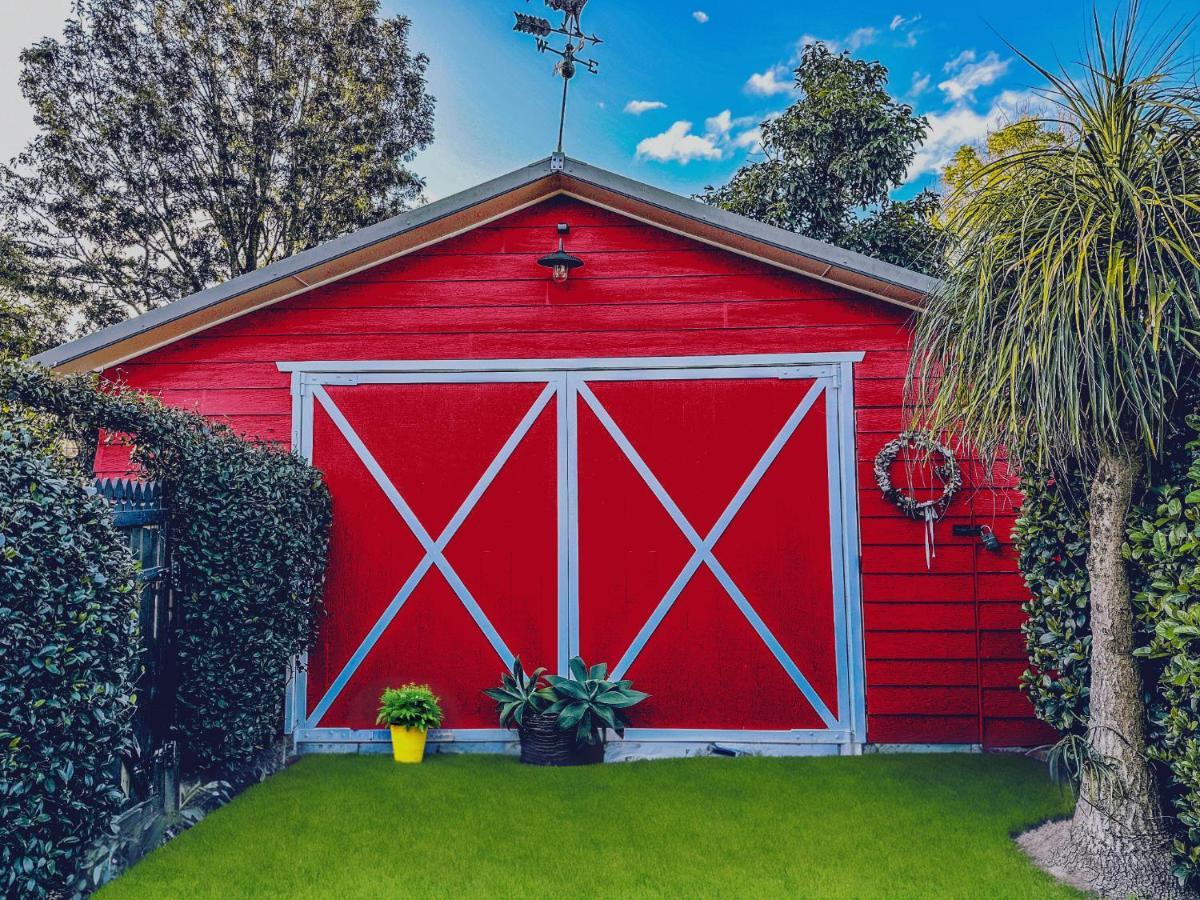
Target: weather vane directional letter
x: 576, y: 41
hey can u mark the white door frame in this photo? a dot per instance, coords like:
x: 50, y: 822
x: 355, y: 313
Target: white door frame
x: 566, y: 383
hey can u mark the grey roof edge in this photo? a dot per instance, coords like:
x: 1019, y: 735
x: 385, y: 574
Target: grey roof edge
x: 758, y: 231
x: 295, y: 264
x: 390, y: 228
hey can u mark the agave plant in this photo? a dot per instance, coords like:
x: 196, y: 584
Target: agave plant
x: 588, y: 702
x: 519, y: 693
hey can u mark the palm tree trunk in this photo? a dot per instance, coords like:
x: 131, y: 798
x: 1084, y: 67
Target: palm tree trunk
x: 1117, y: 837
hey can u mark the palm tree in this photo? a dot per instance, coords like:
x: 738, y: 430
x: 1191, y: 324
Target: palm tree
x: 1065, y: 331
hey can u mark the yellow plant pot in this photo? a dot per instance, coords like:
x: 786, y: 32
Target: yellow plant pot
x: 408, y: 744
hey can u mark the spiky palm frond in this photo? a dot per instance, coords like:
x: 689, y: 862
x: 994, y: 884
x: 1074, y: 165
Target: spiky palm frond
x: 1069, y: 317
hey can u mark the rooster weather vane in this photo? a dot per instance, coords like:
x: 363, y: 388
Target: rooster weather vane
x: 576, y: 42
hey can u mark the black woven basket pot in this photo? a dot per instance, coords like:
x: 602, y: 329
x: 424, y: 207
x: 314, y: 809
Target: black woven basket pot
x: 543, y: 743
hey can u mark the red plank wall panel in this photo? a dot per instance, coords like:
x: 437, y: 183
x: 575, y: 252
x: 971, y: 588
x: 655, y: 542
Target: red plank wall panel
x: 943, y: 646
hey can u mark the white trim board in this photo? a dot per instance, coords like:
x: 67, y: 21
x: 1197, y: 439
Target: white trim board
x: 565, y: 389
x: 362, y: 367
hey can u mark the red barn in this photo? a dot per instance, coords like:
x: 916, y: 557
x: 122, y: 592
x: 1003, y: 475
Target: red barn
x: 663, y: 462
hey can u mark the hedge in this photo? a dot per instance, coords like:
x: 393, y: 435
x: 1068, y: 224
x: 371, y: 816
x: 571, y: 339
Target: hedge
x: 248, y: 525
x: 68, y: 614
x: 1163, y: 553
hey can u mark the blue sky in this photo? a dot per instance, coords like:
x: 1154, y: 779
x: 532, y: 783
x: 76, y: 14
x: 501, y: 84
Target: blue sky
x: 498, y: 102
x: 717, y: 67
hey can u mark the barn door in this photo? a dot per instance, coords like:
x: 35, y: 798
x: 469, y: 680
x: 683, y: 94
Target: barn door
x: 708, y: 550
x: 687, y: 523
x: 445, y: 551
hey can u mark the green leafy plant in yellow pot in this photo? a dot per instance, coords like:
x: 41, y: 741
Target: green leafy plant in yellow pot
x: 409, y: 711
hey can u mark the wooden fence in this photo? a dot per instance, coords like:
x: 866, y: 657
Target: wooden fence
x: 150, y: 776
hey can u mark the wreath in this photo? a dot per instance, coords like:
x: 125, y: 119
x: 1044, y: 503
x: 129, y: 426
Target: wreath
x: 947, y: 471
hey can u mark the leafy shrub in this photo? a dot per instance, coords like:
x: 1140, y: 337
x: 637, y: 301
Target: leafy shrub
x: 249, y: 528
x: 410, y: 706
x: 1163, y: 551
x: 1051, y: 537
x: 68, y: 616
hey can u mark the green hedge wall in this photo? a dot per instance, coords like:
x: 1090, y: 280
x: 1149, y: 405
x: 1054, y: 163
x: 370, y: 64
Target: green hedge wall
x: 68, y: 662
x: 1051, y: 541
x: 1164, y: 555
x: 249, y: 527
x: 1163, y: 551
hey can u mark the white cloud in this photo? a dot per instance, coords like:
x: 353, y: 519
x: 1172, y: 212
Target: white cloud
x: 970, y: 76
x: 961, y: 124
x: 700, y: 16
x: 723, y: 133
x: 776, y: 80
x: 750, y: 139
x: 679, y: 144
x: 720, y: 124
x: 861, y: 37
x: 855, y: 40
x: 920, y: 83
x: 899, y: 21
x: 806, y: 39
x: 637, y: 107
x: 967, y: 56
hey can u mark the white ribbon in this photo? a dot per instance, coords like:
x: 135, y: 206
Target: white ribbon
x: 930, y: 515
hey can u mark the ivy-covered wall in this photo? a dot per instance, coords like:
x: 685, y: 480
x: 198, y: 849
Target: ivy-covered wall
x: 1163, y: 551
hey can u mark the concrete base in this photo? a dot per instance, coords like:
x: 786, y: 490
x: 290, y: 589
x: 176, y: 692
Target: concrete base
x: 630, y: 751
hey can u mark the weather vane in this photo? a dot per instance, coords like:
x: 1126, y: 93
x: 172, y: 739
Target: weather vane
x: 575, y: 44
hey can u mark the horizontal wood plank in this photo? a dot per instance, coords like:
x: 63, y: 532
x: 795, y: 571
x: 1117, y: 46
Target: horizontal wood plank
x: 646, y: 292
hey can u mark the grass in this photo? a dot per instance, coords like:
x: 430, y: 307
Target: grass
x: 344, y: 827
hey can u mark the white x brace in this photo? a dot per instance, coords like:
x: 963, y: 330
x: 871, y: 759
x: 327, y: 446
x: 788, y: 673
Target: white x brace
x: 703, y: 553
x: 703, y: 547
x: 434, y: 550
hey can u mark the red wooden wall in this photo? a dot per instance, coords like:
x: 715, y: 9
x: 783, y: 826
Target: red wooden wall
x: 943, y: 647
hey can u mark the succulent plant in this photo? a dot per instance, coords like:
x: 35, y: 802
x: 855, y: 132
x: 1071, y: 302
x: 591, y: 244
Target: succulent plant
x: 588, y: 702
x: 519, y: 693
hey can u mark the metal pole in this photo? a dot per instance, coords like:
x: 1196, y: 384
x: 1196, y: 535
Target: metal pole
x: 562, y: 114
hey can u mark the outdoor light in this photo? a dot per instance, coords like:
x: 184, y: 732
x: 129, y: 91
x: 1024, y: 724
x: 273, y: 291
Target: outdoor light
x: 560, y: 261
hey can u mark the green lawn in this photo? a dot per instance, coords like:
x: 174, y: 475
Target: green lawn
x: 343, y: 827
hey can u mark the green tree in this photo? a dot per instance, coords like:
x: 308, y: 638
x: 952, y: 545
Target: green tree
x: 1064, y: 331
x: 964, y: 175
x: 28, y: 323
x: 184, y: 142
x: 831, y: 160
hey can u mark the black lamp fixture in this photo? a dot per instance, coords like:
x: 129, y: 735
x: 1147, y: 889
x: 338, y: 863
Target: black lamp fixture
x: 560, y: 262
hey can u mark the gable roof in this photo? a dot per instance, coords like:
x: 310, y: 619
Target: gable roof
x: 469, y: 209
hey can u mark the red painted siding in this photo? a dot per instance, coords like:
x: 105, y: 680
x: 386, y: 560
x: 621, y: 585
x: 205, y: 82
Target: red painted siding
x: 943, y: 647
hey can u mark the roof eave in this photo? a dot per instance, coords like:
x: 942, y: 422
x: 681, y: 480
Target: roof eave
x: 304, y: 269
x: 469, y: 209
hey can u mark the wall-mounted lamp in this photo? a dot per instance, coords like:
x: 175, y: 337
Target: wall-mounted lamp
x: 560, y: 261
